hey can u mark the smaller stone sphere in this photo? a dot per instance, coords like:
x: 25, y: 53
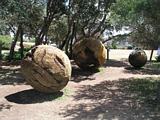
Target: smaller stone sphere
x: 89, y: 53
x: 46, y: 68
x: 138, y: 58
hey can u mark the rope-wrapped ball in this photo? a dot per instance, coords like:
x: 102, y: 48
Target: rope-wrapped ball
x: 89, y: 53
x: 46, y: 68
x: 138, y: 58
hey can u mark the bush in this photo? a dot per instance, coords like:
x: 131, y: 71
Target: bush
x: 129, y: 47
x: 17, y: 56
x: 114, y: 46
x: 25, y: 49
x: 158, y: 58
x: 6, y: 41
x: 4, y: 56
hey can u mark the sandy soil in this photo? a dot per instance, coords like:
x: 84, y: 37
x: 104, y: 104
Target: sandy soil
x: 116, y: 92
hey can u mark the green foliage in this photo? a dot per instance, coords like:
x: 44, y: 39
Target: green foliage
x: 153, y: 65
x: 58, y: 30
x: 29, y: 13
x: 17, y: 55
x: 4, y: 30
x: 141, y: 17
x: 5, y: 40
x: 25, y: 49
x: 4, y: 56
x: 114, y: 46
x: 158, y: 58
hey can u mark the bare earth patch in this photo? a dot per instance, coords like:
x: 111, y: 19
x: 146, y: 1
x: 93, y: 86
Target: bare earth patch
x: 116, y: 92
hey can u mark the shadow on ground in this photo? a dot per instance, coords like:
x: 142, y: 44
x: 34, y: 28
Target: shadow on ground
x: 31, y: 96
x: 79, y: 75
x: 148, y: 69
x: 11, y: 77
x: 151, y: 68
x: 116, y: 63
x: 126, y: 99
x: 4, y: 107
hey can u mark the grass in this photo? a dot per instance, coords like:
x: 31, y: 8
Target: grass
x: 153, y: 65
x: 146, y: 90
x: 66, y: 93
x: 102, y: 70
x: 119, y: 54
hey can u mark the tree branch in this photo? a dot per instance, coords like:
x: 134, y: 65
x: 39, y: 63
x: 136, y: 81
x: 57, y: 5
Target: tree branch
x: 116, y: 36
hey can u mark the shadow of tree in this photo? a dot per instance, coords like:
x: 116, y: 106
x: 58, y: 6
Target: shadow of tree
x: 79, y: 75
x: 11, y: 77
x: 153, y: 65
x: 12, y: 63
x: 4, y: 106
x: 142, y: 71
x: 126, y: 99
x: 116, y: 63
x: 150, y: 68
x: 32, y: 96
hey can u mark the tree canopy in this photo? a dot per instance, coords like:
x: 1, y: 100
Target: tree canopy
x: 65, y: 22
x: 141, y: 17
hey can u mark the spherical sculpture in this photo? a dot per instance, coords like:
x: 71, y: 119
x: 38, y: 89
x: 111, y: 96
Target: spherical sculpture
x: 89, y: 53
x: 46, y: 68
x: 138, y: 58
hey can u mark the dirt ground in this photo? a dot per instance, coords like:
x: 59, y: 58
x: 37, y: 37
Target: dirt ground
x: 116, y: 92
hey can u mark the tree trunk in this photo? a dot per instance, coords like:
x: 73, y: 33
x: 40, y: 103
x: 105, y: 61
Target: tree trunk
x: 0, y: 51
x: 11, y: 53
x: 71, y: 41
x: 43, y: 33
x: 53, y: 9
x: 67, y: 45
x: 151, y: 55
x: 21, y: 44
x: 69, y: 23
x: 67, y: 37
x: 108, y: 53
x: 70, y: 48
x: 64, y: 42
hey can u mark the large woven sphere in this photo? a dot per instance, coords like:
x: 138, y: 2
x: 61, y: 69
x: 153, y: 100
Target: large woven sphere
x: 138, y: 58
x: 46, y: 68
x: 89, y: 53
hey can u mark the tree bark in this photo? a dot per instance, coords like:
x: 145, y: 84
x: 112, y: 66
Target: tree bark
x: 11, y: 53
x: 108, y: 53
x: 65, y: 41
x: 67, y: 45
x: 71, y: 41
x: 0, y: 51
x: 21, y: 44
x: 151, y: 55
x: 54, y: 9
x: 43, y: 33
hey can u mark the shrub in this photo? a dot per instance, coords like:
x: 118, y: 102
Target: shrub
x: 158, y: 58
x: 129, y: 47
x: 6, y: 41
x: 4, y: 56
x: 17, y: 56
x: 114, y: 46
